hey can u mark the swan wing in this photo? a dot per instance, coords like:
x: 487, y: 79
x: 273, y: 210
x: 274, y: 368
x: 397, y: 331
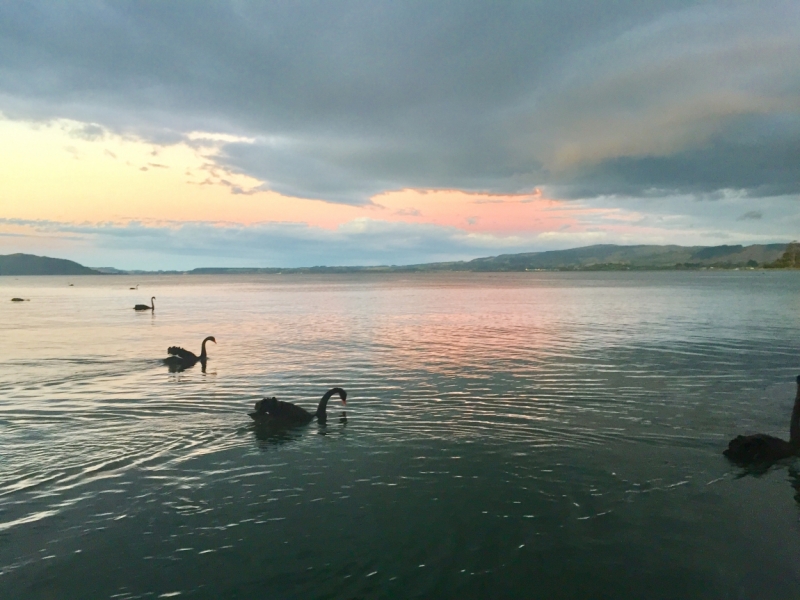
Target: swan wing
x: 287, y: 410
x: 181, y: 353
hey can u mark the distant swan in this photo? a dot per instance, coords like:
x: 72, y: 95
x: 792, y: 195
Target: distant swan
x: 134, y: 288
x: 272, y: 409
x: 180, y: 358
x: 762, y: 448
x: 19, y: 300
x: 152, y: 305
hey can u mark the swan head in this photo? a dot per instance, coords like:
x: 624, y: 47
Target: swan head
x: 343, y: 396
x: 211, y: 338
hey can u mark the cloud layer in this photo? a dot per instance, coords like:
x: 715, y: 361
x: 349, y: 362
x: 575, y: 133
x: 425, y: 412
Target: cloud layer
x: 344, y: 100
x: 372, y: 241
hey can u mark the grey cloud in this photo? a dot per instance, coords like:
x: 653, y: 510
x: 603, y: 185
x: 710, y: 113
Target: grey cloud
x: 347, y: 99
x: 89, y: 131
x: 729, y: 215
x: 752, y: 215
x: 760, y: 167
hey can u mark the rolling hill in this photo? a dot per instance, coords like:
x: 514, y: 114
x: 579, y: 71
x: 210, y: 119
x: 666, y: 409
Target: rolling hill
x: 29, y: 264
x: 603, y: 257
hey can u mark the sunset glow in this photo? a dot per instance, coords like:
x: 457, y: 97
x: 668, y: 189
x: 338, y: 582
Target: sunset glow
x: 664, y: 125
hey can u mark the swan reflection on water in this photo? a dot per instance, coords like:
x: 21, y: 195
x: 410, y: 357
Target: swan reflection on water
x: 270, y: 433
x: 180, y: 367
x: 794, y: 476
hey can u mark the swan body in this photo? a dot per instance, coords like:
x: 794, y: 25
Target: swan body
x: 151, y: 306
x: 19, y: 299
x: 273, y: 410
x: 763, y: 448
x: 180, y: 358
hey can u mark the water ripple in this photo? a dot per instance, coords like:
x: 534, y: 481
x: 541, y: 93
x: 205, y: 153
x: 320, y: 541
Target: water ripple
x: 504, y: 413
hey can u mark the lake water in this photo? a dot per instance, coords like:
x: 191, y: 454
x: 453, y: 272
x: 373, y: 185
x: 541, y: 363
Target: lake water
x: 531, y: 435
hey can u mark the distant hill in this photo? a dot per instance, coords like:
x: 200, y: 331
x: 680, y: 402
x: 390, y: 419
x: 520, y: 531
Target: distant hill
x: 790, y: 258
x: 28, y: 264
x: 612, y: 257
x: 604, y: 257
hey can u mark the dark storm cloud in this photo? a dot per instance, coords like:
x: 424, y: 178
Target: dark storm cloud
x: 346, y: 99
x: 761, y: 167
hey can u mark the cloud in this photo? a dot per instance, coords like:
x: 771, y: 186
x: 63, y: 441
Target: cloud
x: 342, y: 101
x: 752, y: 215
x: 757, y: 165
x: 89, y: 131
x: 188, y: 245
x: 369, y: 241
x: 408, y: 212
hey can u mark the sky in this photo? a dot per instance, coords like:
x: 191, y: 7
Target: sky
x: 173, y: 135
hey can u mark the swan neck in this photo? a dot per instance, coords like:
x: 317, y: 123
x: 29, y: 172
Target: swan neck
x: 323, y: 403
x: 794, y: 426
x: 203, y: 354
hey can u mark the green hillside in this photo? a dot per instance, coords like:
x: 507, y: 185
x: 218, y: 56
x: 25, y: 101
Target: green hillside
x: 29, y: 264
x: 610, y: 257
x: 790, y: 258
x: 605, y: 257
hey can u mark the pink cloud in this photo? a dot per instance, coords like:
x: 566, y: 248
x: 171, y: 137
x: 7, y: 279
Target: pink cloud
x: 490, y: 213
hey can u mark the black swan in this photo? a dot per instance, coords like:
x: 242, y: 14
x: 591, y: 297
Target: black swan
x: 19, y: 299
x: 145, y: 306
x: 134, y: 288
x: 180, y: 358
x: 273, y: 410
x: 762, y: 448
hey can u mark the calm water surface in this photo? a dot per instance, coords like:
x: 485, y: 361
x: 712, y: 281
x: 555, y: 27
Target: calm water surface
x: 507, y: 436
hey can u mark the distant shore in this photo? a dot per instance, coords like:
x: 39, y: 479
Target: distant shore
x: 605, y: 257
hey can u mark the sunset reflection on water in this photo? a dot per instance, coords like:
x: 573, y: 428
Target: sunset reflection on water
x: 499, y: 428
